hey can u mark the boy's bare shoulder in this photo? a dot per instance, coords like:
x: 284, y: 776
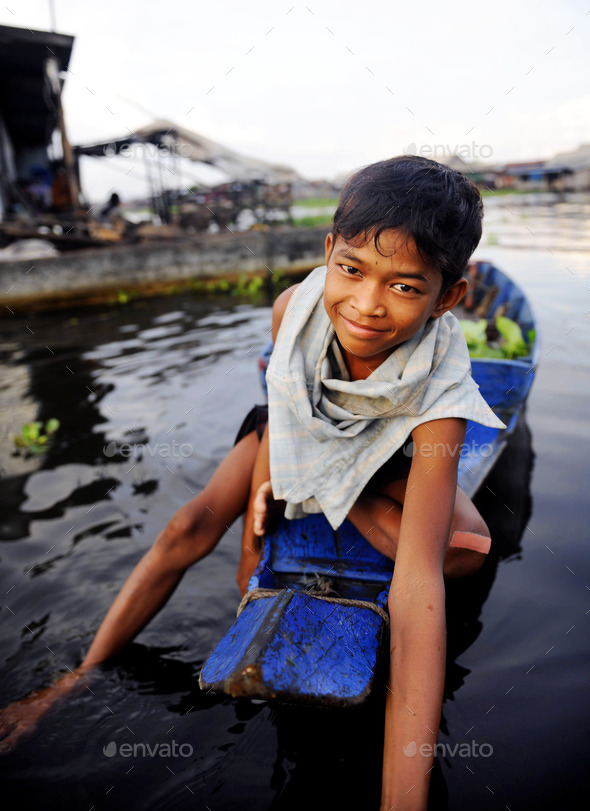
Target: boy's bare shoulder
x: 281, y: 301
x: 279, y: 308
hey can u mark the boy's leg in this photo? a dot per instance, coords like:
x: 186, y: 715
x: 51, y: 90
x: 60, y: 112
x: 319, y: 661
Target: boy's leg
x: 467, y: 527
x: 377, y: 516
x: 251, y: 537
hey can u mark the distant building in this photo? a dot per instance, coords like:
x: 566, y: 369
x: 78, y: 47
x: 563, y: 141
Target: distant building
x: 535, y: 176
x: 522, y: 175
x: 566, y: 171
x: 30, y: 66
x: 484, y: 175
x: 316, y: 189
x: 576, y: 176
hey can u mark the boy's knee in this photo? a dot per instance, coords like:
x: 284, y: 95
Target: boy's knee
x: 467, y: 550
x: 460, y: 562
x: 470, y: 540
x: 466, y: 517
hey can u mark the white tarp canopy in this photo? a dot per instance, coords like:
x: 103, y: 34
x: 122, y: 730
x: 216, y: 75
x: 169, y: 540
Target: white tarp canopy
x: 190, y: 145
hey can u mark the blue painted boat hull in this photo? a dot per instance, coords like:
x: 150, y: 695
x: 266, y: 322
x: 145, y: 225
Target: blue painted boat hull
x: 296, y: 645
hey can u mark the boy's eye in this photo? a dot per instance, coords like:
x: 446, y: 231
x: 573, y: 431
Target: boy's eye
x: 349, y: 269
x: 404, y: 288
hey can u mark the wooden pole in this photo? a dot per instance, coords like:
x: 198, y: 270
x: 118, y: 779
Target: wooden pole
x: 69, y: 163
x: 52, y: 73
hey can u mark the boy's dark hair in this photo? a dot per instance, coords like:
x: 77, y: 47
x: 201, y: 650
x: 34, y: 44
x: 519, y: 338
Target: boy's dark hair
x: 429, y: 202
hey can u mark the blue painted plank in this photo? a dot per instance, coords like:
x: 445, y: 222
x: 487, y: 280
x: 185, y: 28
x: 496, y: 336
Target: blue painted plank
x: 323, y: 650
x: 233, y: 647
x: 310, y: 545
x: 299, y: 649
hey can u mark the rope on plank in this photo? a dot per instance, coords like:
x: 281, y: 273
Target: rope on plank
x: 261, y: 594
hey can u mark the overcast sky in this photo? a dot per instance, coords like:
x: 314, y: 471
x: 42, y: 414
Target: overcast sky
x: 331, y: 85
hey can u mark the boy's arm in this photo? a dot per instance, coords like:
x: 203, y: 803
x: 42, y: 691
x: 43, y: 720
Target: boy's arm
x: 417, y: 612
x: 143, y: 594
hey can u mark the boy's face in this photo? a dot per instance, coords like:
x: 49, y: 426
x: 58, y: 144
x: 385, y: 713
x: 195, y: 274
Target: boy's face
x: 376, y: 301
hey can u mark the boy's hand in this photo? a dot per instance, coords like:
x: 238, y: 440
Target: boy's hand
x: 267, y: 511
x: 262, y: 505
x: 20, y: 719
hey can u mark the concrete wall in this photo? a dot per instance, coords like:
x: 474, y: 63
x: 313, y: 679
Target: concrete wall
x: 92, y: 276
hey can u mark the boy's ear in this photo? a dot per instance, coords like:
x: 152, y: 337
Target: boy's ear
x: 450, y: 298
x: 329, y: 246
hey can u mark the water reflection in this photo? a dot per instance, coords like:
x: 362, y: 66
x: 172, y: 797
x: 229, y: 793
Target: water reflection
x: 504, y: 501
x: 538, y: 222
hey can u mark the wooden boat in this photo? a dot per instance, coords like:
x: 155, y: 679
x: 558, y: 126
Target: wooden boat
x: 313, y: 627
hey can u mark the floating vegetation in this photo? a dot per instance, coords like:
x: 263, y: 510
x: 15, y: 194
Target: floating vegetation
x: 34, y: 436
x: 255, y: 287
x: 247, y: 286
x: 502, y: 339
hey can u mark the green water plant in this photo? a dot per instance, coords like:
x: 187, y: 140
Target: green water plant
x: 509, y: 344
x: 313, y: 221
x: 34, y: 436
x: 249, y: 286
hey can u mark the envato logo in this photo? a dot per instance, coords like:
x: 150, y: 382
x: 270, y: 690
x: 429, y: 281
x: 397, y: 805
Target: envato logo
x: 471, y: 749
x: 171, y: 749
x: 470, y: 151
x: 165, y: 450
x: 431, y: 450
x: 148, y: 151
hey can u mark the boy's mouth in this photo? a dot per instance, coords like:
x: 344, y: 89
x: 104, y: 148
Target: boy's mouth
x: 361, y: 330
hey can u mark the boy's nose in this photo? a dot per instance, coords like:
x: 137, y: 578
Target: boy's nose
x: 368, y: 302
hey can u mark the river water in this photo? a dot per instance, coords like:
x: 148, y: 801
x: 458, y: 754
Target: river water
x: 149, y: 396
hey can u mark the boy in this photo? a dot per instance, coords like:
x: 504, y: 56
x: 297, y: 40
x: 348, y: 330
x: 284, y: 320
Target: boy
x: 370, y: 339
x: 367, y: 355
